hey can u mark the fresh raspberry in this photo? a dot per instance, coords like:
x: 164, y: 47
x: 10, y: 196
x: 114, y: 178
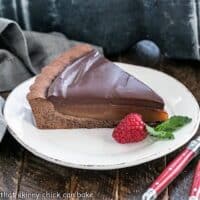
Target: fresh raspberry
x: 130, y: 129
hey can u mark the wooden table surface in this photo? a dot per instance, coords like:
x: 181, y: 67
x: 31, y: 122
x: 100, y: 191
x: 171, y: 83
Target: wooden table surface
x: 26, y: 175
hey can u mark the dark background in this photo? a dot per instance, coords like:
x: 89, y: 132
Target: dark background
x: 115, y: 24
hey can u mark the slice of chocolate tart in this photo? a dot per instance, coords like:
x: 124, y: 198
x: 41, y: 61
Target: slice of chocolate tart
x: 82, y: 89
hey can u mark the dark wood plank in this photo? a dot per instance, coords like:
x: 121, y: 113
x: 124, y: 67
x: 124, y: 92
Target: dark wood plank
x: 134, y: 181
x: 39, y: 176
x: 11, y: 156
x: 42, y: 177
x: 98, y: 184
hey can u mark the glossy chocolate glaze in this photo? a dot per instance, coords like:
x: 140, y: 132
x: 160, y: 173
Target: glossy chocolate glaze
x: 92, y: 79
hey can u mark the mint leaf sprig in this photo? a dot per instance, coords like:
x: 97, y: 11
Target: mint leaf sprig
x: 159, y: 134
x: 165, y: 130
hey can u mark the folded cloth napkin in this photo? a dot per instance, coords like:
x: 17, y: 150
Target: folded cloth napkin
x: 24, y: 53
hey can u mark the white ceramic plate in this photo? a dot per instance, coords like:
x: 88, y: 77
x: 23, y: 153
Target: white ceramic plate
x: 95, y: 148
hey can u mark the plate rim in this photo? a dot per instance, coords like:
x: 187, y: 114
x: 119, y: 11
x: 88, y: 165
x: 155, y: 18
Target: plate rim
x: 113, y: 166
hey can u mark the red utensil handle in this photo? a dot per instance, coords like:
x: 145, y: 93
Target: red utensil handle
x: 172, y: 170
x: 195, y: 189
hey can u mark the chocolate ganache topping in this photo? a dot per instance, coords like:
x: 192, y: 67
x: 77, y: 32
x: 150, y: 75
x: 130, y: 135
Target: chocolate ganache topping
x: 92, y: 79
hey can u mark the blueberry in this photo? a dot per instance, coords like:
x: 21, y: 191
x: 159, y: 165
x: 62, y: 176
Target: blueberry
x: 146, y: 53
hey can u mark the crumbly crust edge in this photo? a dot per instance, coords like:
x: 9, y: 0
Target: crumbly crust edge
x: 49, y: 72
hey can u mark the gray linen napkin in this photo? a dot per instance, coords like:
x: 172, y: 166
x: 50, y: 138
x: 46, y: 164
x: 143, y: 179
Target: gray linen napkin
x: 24, y: 53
